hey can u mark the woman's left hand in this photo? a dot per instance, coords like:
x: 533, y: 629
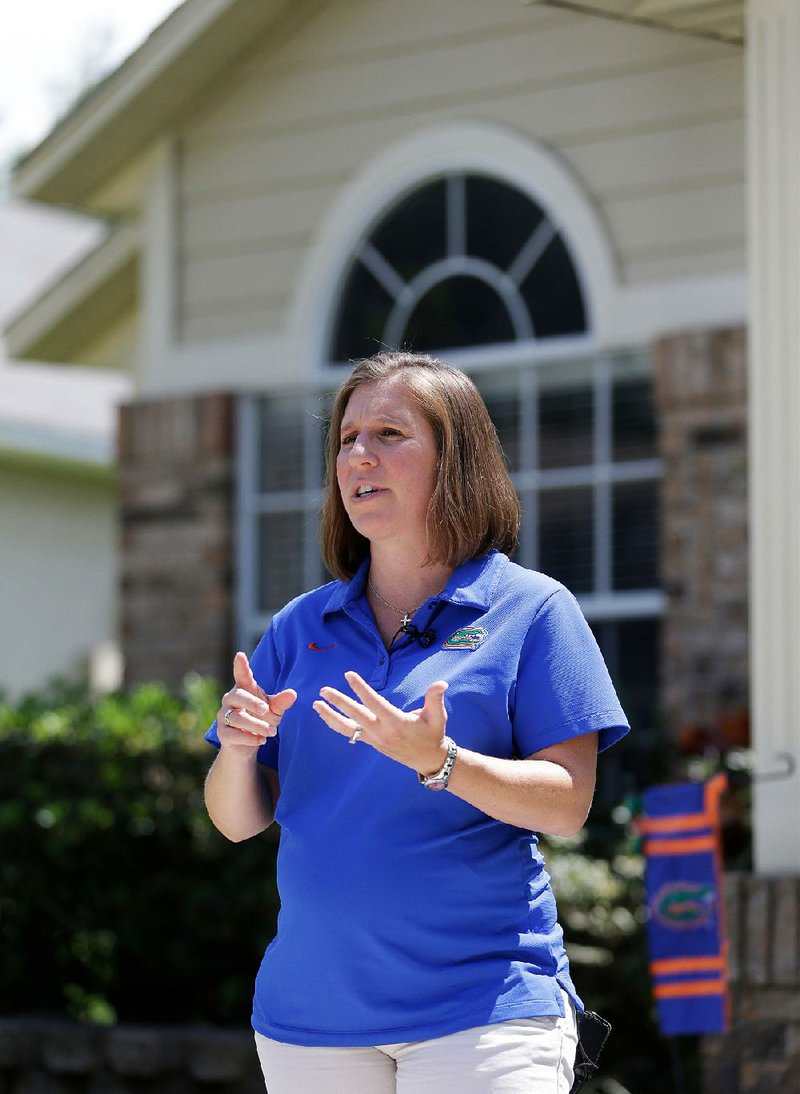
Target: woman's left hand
x: 414, y: 738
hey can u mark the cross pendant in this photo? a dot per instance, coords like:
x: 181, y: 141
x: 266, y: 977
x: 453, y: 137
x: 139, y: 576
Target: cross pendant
x: 405, y: 620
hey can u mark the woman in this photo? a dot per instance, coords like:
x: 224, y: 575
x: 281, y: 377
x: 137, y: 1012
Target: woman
x: 418, y: 948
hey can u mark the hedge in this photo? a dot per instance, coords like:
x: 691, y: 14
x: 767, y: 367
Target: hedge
x: 118, y: 899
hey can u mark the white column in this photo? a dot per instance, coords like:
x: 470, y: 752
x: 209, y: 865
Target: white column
x: 773, y: 129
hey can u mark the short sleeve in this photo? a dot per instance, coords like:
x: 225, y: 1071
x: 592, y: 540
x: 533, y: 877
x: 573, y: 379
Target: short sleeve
x: 265, y: 663
x: 563, y: 688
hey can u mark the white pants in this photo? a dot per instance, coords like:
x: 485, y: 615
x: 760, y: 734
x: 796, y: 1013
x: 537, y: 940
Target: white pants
x: 522, y: 1056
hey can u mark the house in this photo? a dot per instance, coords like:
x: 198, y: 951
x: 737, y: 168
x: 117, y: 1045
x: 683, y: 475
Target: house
x: 590, y: 205
x: 58, y: 521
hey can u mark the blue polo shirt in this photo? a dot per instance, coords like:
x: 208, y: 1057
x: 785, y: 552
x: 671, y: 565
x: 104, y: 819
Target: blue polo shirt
x: 407, y: 914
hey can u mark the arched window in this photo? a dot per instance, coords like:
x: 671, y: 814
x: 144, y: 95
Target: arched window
x: 464, y: 260
x: 467, y: 261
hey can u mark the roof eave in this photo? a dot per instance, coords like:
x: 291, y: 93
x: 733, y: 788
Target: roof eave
x: 138, y: 100
x: 723, y: 20
x: 77, y: 307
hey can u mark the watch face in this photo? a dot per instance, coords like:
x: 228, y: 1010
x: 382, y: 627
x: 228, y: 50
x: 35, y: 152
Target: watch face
x: 440, y: 779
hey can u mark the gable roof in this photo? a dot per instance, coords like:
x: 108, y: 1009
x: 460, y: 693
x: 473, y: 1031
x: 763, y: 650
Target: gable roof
x: 71, y: 310
x: 148, y: 91
x: 47, y: 414
x: 199, y: 41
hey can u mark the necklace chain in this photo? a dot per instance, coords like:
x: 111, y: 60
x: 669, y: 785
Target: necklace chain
x: 407, y: 614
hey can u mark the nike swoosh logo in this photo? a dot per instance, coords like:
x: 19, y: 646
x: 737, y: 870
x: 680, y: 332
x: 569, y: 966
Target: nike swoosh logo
x: 320, y: 649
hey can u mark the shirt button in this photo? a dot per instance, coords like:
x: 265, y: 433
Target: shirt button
x: 383, y: 660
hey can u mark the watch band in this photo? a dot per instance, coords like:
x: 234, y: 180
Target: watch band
x: 440, y: 780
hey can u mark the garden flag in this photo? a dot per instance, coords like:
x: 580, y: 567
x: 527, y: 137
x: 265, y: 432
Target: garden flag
x: 686, y: 920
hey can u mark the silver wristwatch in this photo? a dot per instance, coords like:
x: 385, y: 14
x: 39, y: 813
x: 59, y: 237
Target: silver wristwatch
x: 440, y: 779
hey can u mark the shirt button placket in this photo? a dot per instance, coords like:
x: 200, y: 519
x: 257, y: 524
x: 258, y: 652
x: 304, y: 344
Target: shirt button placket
x: 380, y: 673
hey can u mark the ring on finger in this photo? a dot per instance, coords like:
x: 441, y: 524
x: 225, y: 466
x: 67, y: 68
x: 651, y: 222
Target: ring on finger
x: 356, y: 737
x: 226, y: 716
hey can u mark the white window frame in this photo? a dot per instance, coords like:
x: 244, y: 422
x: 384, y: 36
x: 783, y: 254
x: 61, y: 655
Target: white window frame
x: 455, y: 149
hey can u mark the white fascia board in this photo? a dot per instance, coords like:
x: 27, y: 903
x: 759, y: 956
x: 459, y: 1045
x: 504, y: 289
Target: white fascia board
x: 722, y: 19
x: 28, y: 329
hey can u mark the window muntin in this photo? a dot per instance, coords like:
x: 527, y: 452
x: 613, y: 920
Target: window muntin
x: 590, y: 516
x: 461, y: 261
x: 588, y: 478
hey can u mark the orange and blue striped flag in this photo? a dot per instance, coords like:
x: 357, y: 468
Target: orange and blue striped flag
x: 686, y: 917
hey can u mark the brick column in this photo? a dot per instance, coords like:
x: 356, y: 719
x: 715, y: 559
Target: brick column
x: 761, y: 1052
x: 176, y: 459
x: 701, y: 393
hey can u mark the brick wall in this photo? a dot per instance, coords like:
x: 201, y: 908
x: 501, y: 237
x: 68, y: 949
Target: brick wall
x: 39, y: 1056
x: 761, y: 1052
x: 176, y: 460
x: 701, y: 395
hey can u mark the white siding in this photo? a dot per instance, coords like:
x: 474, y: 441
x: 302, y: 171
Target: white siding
x: 58, y: 583
x: 650, y: 121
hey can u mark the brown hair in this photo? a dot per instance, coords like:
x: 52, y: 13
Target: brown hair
x: 474, y: 506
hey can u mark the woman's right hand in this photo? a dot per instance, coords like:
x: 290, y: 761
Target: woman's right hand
x: 252, y: 715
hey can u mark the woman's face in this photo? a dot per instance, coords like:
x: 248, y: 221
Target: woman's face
x: 387, y: 464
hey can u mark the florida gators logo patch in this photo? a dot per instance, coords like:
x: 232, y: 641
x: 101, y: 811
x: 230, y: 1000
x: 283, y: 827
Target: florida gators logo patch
x: 467, y: 638
x: 683, y: 905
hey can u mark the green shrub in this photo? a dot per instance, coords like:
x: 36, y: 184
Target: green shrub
x: 118, y: 899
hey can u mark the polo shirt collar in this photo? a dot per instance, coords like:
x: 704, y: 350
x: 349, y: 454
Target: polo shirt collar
x: 345, y: 592
x: 472, y: 584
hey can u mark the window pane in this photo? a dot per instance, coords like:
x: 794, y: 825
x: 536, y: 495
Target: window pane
x: 631, y: 651
x: 362, y: 317
x: 412, y: 236
x: 322, y: 412
x: 279, y: 558
x: 461, y: 311
x: 553, y: 294
x: 566, y: 427
x: 281, y: 423
x: 566, y: 545
x: 526, y: 553
x: 635, y: 535
x: 634, y: 420
x: 500, y: 220
x: 502, y: 400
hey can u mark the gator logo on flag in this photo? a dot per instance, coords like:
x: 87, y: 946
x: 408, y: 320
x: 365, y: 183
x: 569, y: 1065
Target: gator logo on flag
x: 468, y: 638
x: 683, y: 905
